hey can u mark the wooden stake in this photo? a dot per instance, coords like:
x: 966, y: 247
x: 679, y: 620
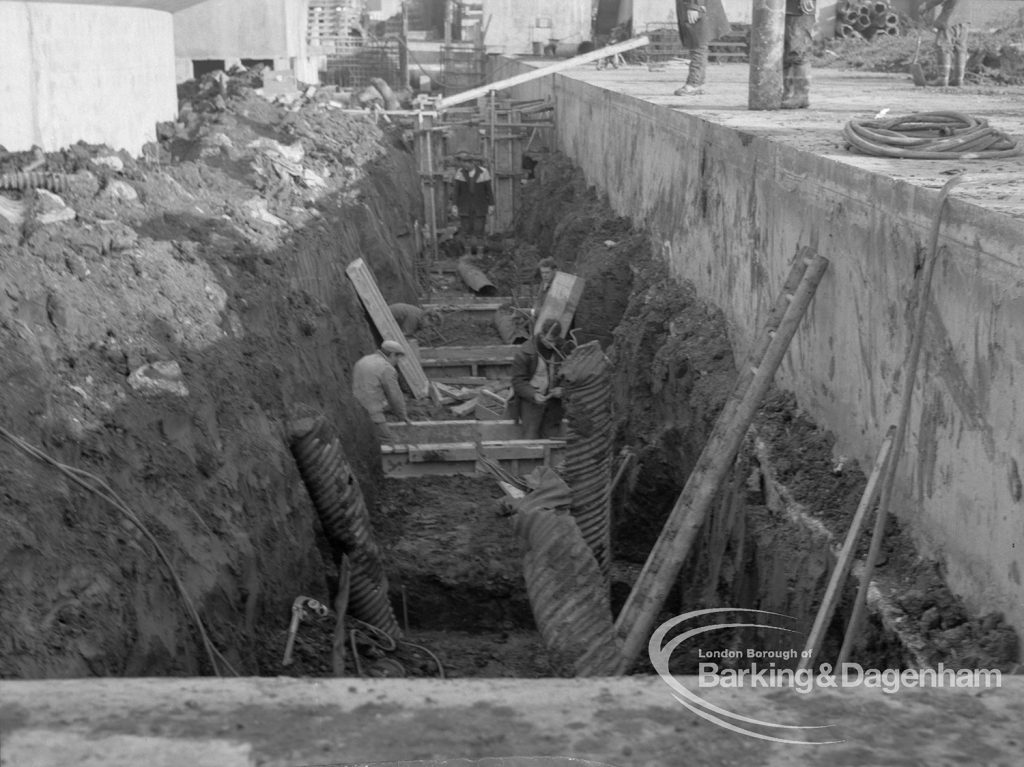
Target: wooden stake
x: 636, y: 620
x: 845, y: 559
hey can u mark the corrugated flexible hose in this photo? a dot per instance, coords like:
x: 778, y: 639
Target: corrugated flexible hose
x: 930, y: 136
x: 341, y: 507
x: 586, y: 384
x: 54, y: 182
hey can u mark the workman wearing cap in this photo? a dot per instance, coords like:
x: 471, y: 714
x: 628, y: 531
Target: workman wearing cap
x: 473, y: 198
x: 537, y: 398
x: 375, y: 386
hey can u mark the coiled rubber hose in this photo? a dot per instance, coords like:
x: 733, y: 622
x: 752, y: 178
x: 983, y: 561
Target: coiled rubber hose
x: 930, y: 136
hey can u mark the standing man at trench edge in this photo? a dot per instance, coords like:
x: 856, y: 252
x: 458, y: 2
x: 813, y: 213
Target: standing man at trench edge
x: 700, y: 22
x: 796, y: 53
x: 375, y: 386
x: 951, y: 27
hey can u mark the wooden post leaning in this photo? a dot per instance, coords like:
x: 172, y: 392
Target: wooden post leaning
x: 636, y: 619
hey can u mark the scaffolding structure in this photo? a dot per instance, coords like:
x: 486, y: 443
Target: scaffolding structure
x: 355, y: 51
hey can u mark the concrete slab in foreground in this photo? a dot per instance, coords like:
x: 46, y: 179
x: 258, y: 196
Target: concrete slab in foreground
x: 628, y: 722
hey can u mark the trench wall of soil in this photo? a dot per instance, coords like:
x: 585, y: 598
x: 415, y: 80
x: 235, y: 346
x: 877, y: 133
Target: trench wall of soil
x: 728, y: 211
x: 771, y: 539
x: 257, y: 313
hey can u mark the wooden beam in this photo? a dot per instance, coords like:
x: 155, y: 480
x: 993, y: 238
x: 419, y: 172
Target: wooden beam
x: 448, y: 355
x: 510, y: 82
x: 408, y: 364
x: 645, y: 601
x: 561, y: 301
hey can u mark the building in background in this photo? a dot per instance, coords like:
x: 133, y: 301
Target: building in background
x: 219, y: 33
x: 82, y: 70
x: 528, y: 26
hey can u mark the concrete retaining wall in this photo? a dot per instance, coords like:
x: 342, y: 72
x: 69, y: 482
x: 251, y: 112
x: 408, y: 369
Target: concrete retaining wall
x: 103, y: 75
x: 730, y: 210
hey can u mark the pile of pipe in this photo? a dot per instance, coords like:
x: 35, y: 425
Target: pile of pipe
x: 866, y: 19
x: 586, y: 383
x: 340, y: 504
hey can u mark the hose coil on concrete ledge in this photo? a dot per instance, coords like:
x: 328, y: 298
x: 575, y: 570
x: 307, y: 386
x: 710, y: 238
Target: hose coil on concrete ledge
x: 588, y: 457
x: 930, y: 136
x: 341, y: 507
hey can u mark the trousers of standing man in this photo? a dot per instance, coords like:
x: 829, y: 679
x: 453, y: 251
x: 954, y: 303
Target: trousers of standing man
x: 711, y: 23
x: 796, y: 53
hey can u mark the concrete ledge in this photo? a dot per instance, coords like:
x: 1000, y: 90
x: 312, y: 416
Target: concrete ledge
x: 627, y: 722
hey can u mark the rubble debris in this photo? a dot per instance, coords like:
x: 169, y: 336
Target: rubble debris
x: 51, y: 209
x: 163, y: 377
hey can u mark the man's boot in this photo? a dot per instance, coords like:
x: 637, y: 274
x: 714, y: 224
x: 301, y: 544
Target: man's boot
x: 942, y: 65
x: 695, y: 76
x: 800, y: 88
x: 959, y: 68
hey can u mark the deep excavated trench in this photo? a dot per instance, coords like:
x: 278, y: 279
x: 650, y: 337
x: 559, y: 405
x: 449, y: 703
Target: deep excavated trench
x: 212, y: 473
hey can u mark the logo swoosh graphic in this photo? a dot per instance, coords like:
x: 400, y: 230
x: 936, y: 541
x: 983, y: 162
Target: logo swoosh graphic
x: 660, y: 655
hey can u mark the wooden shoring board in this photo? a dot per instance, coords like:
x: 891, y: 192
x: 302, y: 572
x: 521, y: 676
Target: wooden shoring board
x: 451, y: 355
x: 451, y: 458
x: 561, y: 301
x: 455, y: 431
x: 408, y: 364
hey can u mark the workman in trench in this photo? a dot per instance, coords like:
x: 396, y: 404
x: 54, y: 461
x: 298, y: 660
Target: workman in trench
x: 411, y: 318
x: 375, y: 386
x: 536, y: 394
x: 473, y: 199
x: 546, y: 269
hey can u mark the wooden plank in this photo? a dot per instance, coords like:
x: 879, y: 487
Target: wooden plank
x: 408, y: 364
x: 464, y: 381
x: 482, y: 304
x: 844, y: 562
x: 497, y: 450
x: 435, y: 356
x: 465, y: 430
x: 561, y: 301
x: 636, y: 618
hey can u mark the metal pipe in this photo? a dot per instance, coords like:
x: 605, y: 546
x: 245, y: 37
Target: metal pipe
x: 475, y: 279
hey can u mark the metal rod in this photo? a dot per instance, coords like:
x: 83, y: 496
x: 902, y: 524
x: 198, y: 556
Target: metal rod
x: 511, y: 82
x: 909, y: 378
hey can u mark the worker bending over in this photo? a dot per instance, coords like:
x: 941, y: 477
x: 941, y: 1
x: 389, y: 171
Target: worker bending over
x: 411, y: 319
x: 375, y: 386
